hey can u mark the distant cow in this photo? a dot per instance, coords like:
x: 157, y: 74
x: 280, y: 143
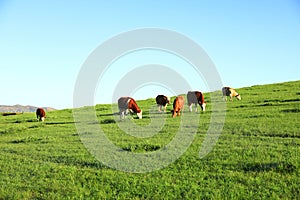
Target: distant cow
x: 196, y: 97
x: 162, y: 101
x: 177, y: 106
x: 228, y: 91
x: 128, y: 104
x: 40, y: 114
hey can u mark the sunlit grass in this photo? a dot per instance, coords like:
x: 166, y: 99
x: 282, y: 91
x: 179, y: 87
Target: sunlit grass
x: 256, y: 156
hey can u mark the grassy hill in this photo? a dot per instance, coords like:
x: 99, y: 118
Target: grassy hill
x: 257, y: 156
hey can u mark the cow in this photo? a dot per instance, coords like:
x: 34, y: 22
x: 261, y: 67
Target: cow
x: 40, y: 114
x: 128, y: 104
x: 195, y: 97
x: 177, y: 106
x: 162, y: 101
x: 228, y: 91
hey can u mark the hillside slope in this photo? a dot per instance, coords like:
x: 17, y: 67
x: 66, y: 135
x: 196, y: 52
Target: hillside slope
x: 255, y: 157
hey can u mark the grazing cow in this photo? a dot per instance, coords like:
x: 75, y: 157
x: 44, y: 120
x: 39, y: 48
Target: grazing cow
x: 162, y: 101
x: 177, y: 106
x: 128, y: 104
x: 40, y: 114
x: 228, y: 91
x: 195, y: 97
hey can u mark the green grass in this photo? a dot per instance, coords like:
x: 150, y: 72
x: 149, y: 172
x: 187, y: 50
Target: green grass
x: 256, y: 156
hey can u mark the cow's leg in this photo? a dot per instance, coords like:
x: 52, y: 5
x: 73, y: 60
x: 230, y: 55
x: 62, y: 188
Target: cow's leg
x: 130, y: 112
x: 180, y: 111
x: 158, y: 107
x: 203, y: 106
x: 121, y: 115
x: 191, y: 107
x: 165, y: 108
x: 196, y: 107
x: 173, y: 113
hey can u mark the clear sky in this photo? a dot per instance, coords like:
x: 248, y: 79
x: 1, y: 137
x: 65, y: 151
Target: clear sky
x: 43, y: 44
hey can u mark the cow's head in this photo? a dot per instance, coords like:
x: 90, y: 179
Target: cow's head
x: 238, y: 97
x: 175, y: 113
x: 140, y: 114
x: 42, y: 119
x: 202, y: 105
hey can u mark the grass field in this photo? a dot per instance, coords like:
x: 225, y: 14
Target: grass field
x: 257, y: 155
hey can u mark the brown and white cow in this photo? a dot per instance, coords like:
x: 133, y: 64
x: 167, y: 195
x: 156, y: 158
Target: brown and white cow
x: 195, y: 97
x: 128, y: 104
x: 40, y: 114
x: 177, y: 106
x: 162, y: 101
x: 228, y: 91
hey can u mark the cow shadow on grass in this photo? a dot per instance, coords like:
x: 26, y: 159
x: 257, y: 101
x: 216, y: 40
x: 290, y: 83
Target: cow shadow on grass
x: 117, y: 117
x: 47, y: 123
x: 23, y: 121
x: 146, y: 115
x: 108, y: 121
x: 59, y: 123
x: 117, y: 114
x: 108, y: 114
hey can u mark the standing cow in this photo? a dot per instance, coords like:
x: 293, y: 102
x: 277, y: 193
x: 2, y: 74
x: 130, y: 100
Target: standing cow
x: 40, y: 114
x: 177, y: 106
x: 228, y: 91
x: 162, y: 101
x: 128, y: 104
x: 196, y: 97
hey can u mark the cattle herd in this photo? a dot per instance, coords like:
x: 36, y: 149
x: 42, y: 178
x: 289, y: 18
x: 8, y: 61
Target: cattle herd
x: 128, y: 105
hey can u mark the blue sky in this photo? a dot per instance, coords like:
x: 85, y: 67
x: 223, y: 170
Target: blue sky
x: 43, y: 44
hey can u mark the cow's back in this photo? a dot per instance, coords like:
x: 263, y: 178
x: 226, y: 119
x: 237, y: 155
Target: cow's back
x: 40, y: 112
x: 226, y: 91
x: 123, y: 103
x: 195, y: 97
x: 191, y: 97
x: 161, y: 100
x: 177, y: 106
x: 178, y: 103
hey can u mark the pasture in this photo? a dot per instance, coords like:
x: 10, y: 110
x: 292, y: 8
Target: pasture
x: 257, y: 155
